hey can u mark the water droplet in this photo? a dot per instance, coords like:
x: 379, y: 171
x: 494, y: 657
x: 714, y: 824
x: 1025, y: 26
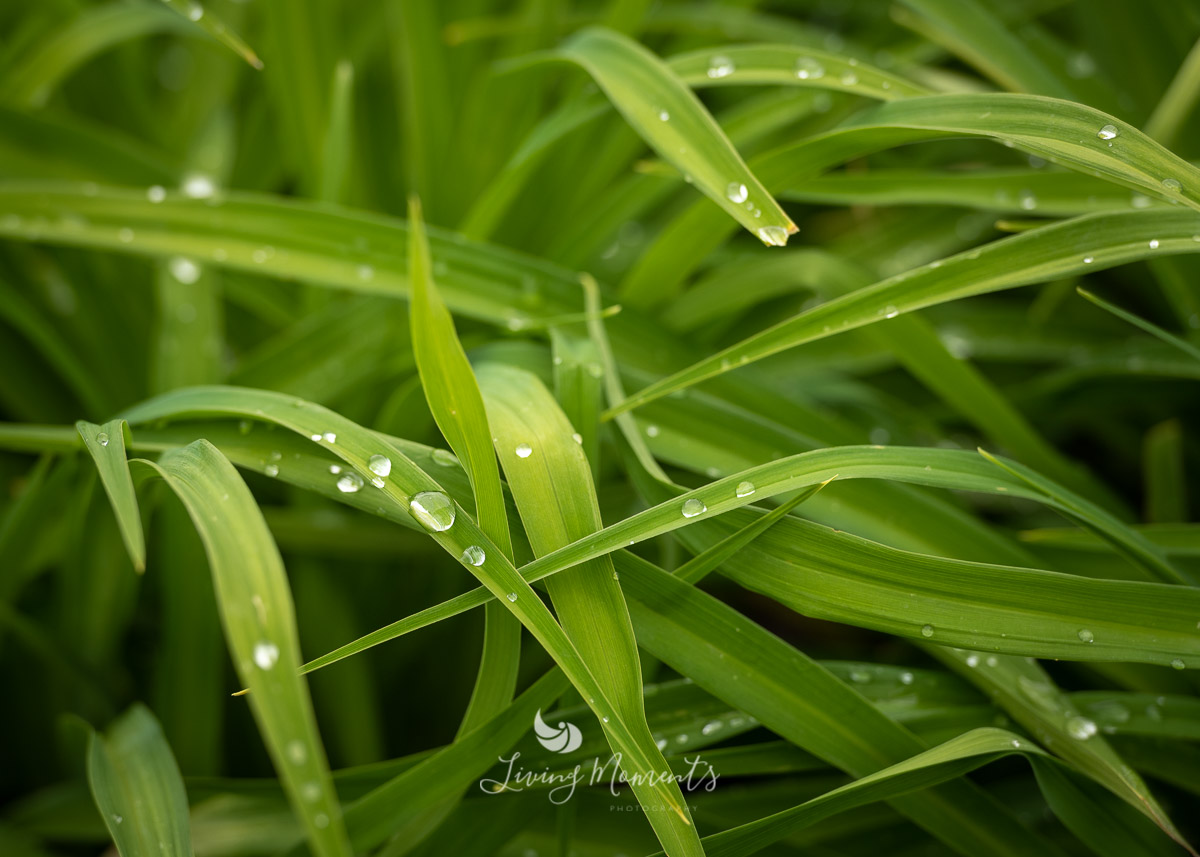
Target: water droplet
x: 198, y: 186
x: 266, y: 654
x: 664, y: 116
x: 433, y: 510
x: 523, y: 450
x: 195, y: 12
x: 1080, y: 727
x: 889, y: 312
x: 1027, y: 200
x: 1087, y: 260
x: 445, y: 458
x: 245, y: 426
x: 1173, y: 185
x: 117, y: 819
x: 321, y: 820
x: 849, y: 79
x: 1139, y: 200
x: 773, y: 236
x: 736, y: 192
x: 972, y: 661
x: 744, y: 489
x: 473, y: 555
x: 102, y: 438
x: 512, y: 597
x: 710, y: 727
x: 380, y: 465
x: 906, y: 678
x: 350, y: 483
x: 860, y: 676
x: 926, y: 630
x: 311, y: 792
x: 1108, y: 132
x: 693, y: 507
x: 578, y: 438
x: 720, y: 66
x: 808, y: 68
x: 183, y: 269
x: 1016, y: 743
x: 1086, y: 636
x: 366, y: 273
x: 271, y: 470
x: 125, y: 235
x: 377, y: 481
x: 329, y: 437
x: 661, y: 743
x: 651, y: 431
x: 156, y: 193
x: 297, y: 752
x: 1178, y: 664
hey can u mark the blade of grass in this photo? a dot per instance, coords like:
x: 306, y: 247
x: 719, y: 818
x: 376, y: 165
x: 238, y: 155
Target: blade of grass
x: 106, y: 444
x: 1151, y: 328
x: 256, y: 613
x: 203, y: 18
x: 457, y: 407
x: 674, y: 122
x: 138, y: 789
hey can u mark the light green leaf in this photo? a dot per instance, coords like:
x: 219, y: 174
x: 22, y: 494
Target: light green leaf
x: 674, y: 122
x: 106, y: 445
x: 138, y: 789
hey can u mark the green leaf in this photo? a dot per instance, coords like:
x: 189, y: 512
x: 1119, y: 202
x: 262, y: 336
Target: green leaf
x: 106, y: 445
x: 1150, y: 328
x: 260, y: 630
x: 673, y: 121
x: 138, y: 789
x: 203, y: 18
x: 1064, y: 249
x: 551, y: 482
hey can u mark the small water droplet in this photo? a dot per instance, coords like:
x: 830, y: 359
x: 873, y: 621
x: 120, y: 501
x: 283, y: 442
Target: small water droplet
x: 578, y: 438
x: 366, y: 273
x: 1016, y: 743
x: 1153, y: 243
x: 473, y: 555
x: 1108, y: 132
x: 321, y: 820
x: 125, y: 235
x: 808, y: 68
x: 926, y: 630
x: 102, y: 438
x: 512, y: 596
x: 183, y: 269
x: 433, y: 510
x: 350, y: 483
x: 271, y: 470
x: 266, y: 654
x: 380, y: 465
x: 693, y: 507
x: 710, y: 727
x: 664, y: 116
x: 1139, y: 200
x: 889, y: 312
x: 744, y: 489
x: 117, y: 819
x: 156, y: 193
x: 1087, y: 260
x: 849, y: 79
x: 906, y: 678
x: 1173, y: 185
x: 773, y: 236
x: 736, y: 192
x: 661, y: 743
x: 720, y: 66
x: 1086, y: 636
x: 445, y: 458
x: 311, y: 791
x: 651, y: 431
x: 195, y: 12
x: 523, y: 450
x: 1080, y: 727
x: 1178, y: 664
x: 329, y: 437
x: 297, y: 752
x: 1027, y: 200
x: 198, y: 186
x: 972, y: 661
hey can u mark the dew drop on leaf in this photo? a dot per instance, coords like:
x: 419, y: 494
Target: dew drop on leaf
x: 474, y: 556
x: 433, y: 510
x: 1107, y: 132
x: 380, y: 465
x: 523, y: 450
x: 736, y: 192
x: 744, y: 489
x: 350, y: 483
x: 693, y: 507
x: 266, y: 654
